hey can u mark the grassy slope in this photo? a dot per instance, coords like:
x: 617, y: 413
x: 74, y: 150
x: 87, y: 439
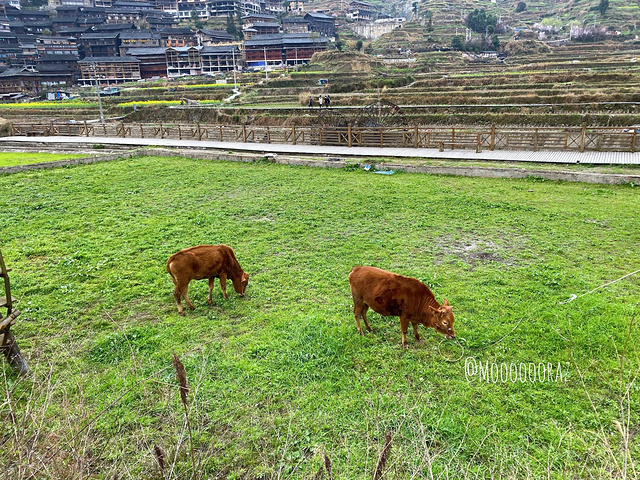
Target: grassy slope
x: 280, y: 376
x: 10, y: 159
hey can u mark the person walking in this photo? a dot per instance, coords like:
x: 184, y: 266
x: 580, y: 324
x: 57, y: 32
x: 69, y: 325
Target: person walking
x: 320, y: 100
x: 327, y: 101
x: 310, y: 101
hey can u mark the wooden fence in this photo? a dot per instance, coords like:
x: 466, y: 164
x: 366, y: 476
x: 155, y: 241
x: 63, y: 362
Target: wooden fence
x: 613, y: 139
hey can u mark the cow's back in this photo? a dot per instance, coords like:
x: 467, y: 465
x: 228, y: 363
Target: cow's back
x: 385, y: 292
x: 202, y: 261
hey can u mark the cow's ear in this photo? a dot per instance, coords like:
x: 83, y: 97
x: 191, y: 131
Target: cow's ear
x: 446, y: 302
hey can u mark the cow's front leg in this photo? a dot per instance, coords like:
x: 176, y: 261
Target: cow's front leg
x: 415, y: 331
x: 404, y: 325
x: 211, y: 282
x: 223, y: 285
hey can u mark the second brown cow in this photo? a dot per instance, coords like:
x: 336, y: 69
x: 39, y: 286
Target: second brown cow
x: 398, y: 296
x: 205, y: 261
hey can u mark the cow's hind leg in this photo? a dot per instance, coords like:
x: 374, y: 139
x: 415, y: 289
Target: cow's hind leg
x: 358, y: 306
x: 211, y: 282
x: 415, y: 331
x: 177, y: 295
x: 364, y: 317
x: 183, y: 288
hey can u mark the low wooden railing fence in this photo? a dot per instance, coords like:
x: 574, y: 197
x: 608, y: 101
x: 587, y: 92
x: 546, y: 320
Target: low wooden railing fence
x: 614, y: 139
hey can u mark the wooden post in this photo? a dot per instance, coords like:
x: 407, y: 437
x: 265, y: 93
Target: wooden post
x: 319, y: 135
x: 293, y: 134
x: 633, y: 140
x: 381, y: 137
x: 268, y: 135
x: 221, y: 133
x: 179, y: 132
x: 415, y: 137
x: 13, y: 130
x: 86, y: 129
x: 583, y: 137
x: 122, y: 126
x: 453, y: 137
x: 244, y: 133
x: 349, y: 134
x: 493, y: 137
x: 141, y: 131
x: 535, y: 140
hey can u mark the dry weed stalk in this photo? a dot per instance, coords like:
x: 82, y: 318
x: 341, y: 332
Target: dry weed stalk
x: 382, y: 460
x: 181, y: 374
x: 327, y: 465
x: 159, y: 458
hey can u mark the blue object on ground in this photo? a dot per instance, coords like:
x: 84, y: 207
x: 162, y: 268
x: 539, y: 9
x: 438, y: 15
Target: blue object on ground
x: 384, y: 172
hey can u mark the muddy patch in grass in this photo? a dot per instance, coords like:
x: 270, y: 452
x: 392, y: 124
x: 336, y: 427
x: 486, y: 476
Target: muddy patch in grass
x: 475, y: 252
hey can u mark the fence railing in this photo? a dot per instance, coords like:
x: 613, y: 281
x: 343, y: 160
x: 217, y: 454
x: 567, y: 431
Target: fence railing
x: 613, y: 139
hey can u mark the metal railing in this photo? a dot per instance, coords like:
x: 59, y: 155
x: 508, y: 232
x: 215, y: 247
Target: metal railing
x: 613, y: 139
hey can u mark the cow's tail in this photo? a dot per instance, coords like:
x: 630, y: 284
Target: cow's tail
x: 173, y: 277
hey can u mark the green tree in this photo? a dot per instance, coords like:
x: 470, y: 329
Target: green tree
x: 231, y: 26
x: 359, y: 45
x: 496, y: 42
x: 456, y: 43
x: 603, y: 7
x: 521, y: 7
x: 479, y: 20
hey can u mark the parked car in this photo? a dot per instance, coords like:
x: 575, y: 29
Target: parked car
x: 110, y: 92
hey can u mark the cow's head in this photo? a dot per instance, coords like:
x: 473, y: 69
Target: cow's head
x: 443, y: 321
x: 241, y: 286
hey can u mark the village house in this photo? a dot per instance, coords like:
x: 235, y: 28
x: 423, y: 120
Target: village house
x: 178, y: 37
x: 46, y: 45
x: 295, y: 25
x: 138, y: 39
x: 281, y: 50
x: 361, y: 11
x: 183, y: 61
x: 321, y: 23
x: 98, y: 44
x: 220, y: 58
x: 25, y: 80
x: 57, y: 69
x: 208, y: 37
x: 153, y: 61
x: 108, y: 70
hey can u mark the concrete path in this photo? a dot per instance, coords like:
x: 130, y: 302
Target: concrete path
x: 603, y: 158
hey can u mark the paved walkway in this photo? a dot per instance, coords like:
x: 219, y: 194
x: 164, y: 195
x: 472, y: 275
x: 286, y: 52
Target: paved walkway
x: 604, y: 158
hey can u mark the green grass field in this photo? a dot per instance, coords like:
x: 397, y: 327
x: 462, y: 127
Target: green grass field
x: 11, y: 159
x: 280, y: 378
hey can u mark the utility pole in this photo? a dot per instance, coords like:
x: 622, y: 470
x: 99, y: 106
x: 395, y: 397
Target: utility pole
x: 233, y: 55
x: 95, y: 77
x: 266, y: 73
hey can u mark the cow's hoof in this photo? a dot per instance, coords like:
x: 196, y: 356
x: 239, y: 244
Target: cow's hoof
x: 182, y: 314
x: 369, y: 329
x: 405, y: 346
x: 360, y: 332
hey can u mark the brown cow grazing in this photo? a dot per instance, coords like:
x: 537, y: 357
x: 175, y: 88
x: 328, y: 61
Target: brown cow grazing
x: 398, y: 296
x: 205, y: 261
